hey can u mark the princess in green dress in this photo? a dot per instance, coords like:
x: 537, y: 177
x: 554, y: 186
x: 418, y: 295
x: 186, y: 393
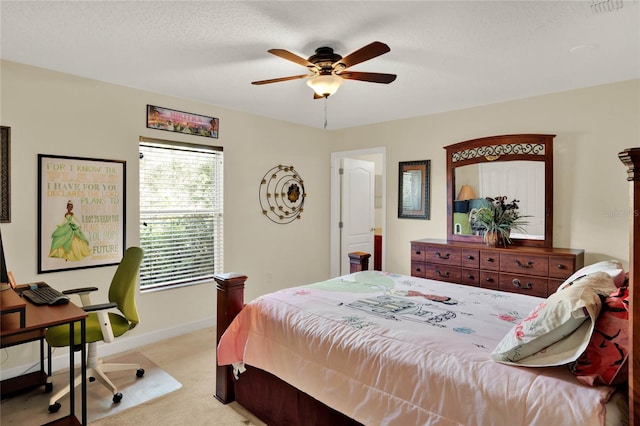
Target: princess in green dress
x: 68, y: 241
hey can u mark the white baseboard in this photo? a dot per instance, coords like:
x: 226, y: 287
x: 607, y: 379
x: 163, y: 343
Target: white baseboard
x: 122, y: 344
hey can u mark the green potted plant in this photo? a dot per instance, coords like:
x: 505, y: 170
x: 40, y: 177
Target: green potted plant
x: 497, y: 218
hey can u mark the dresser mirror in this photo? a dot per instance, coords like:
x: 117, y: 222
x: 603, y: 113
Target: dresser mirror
x: 519, y: 167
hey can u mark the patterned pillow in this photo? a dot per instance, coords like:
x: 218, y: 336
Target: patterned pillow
x: 612, y: 267
x: 604, y: 362
x: 557, y: 331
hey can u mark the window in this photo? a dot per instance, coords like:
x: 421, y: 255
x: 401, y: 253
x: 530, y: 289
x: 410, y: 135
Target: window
x: 180, y: 213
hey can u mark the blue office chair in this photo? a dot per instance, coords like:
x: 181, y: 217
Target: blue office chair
x: 102, y: 325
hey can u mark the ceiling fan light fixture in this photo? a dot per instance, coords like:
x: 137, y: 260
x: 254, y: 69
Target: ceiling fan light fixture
x: 325, y: 85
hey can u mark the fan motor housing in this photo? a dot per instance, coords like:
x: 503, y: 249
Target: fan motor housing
x: 324, y: 57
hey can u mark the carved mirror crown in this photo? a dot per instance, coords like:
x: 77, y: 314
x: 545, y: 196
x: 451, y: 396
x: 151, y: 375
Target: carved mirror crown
x: 518, y: 167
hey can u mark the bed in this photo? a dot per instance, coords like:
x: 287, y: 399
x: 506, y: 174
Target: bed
x: 381, y: 348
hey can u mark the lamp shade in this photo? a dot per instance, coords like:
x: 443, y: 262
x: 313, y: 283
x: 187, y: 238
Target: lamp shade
x: 466, y: 193
x: 325, y: 85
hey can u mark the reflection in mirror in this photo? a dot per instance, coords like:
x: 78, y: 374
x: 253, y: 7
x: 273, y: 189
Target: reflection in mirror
x: 519, y: 180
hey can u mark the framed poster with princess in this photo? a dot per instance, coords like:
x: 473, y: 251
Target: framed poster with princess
x: 81, y: 212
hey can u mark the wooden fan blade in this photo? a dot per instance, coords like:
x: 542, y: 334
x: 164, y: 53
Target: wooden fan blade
x: 372, y: 77
x: 285, y: 54
x: 364, y: 54
x: 276, y: 80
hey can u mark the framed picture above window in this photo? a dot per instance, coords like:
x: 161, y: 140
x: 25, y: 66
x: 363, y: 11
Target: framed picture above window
x: 413, y: 189
x: 81, y: 212
x: 187, y: 123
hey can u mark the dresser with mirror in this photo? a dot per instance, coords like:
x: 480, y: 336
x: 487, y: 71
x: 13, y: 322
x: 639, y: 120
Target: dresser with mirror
x: 519, y: 167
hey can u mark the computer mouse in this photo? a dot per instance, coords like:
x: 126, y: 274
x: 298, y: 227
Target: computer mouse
x: 59, y: 300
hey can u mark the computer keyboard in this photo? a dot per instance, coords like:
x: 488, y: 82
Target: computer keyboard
x: 44, y: 296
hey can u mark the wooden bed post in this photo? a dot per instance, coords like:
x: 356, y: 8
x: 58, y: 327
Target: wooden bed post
x: 230, y: 295
x: 358, y: 261
x: 631, y: 158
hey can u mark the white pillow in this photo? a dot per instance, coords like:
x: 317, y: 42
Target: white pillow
x: 558, y: 330
x: 612, y: 267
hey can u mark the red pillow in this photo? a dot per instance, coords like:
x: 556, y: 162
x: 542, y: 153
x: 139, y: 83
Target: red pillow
x: 604, y: 362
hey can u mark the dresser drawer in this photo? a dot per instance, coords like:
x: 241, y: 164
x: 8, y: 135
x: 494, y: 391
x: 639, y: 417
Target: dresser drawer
x: 561, y: 267
x: 490, y: 260
x: 490, y: 280
x: 442, y: 273
x: 417, y: 252
x: 470, y: 277
x: 525, y: 284
x: 528, y: 264
x: 417, y: 269
x: 470, y: 258
x: 444, y: 255
x: 553, y: 285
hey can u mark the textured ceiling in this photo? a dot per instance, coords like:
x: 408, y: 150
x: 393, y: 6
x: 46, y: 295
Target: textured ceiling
x: 447, y: 54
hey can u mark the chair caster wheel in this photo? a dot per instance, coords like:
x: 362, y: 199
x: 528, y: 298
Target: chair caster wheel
x: 117, y: 397
x: 53, y: 408
x: 48, y: 387
x: 92, y: 379
x: 140, y: 372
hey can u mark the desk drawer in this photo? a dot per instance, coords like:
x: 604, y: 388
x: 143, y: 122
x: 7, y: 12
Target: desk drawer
x: 525, y: 284
x: 529, y: 264
x: 444, y: 255
x: 443, y: 273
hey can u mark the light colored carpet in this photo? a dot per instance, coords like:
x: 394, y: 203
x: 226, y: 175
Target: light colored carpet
x: 155, y: 399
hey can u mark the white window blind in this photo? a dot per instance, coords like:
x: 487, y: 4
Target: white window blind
x: 181, y: 202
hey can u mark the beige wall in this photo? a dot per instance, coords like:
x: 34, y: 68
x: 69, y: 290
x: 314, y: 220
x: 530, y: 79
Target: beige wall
x: 53, y: 113
x: 590, y: 195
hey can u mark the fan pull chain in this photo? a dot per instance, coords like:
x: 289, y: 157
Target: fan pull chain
x: 326, y: 99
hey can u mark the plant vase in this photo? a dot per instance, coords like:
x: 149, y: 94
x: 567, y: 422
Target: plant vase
x: 492, y: 238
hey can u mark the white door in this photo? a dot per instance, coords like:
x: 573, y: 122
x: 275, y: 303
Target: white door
x: 357, y: 213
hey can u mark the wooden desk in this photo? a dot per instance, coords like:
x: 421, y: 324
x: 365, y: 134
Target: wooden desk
x: 16, y: 328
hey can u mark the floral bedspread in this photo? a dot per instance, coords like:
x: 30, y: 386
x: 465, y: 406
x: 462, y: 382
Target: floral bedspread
x: 399, y: 350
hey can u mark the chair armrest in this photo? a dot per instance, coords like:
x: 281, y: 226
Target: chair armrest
x: 100, y: 307
x: 80, y: 290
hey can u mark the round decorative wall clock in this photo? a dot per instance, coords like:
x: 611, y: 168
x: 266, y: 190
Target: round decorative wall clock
x: 282, y: 194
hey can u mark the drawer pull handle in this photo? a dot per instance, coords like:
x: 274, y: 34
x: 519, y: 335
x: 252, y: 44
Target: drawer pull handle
x: 418, y: 252
x: 489, y: 259
x: 560, y: 266
x: 489, y: 279
x: 522, y: 265
x: 418, y: 269
x: 470, y: 257
x: 445, y: 257
x: 445, y: 275
x: 469, y: 277
x: 516, y: 282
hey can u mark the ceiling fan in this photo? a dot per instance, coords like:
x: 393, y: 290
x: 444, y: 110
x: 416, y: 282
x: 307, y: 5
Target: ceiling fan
x: 328, y: 69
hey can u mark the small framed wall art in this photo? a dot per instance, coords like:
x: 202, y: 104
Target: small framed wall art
x: 413, y: 189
